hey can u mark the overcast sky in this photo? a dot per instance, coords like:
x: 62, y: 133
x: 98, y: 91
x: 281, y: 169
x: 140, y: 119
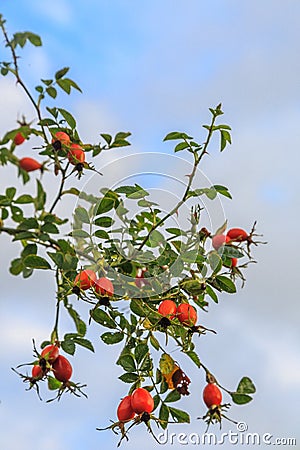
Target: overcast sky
x: 151, y: 68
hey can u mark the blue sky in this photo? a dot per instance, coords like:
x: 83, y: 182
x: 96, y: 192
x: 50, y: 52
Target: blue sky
x: 151, y: 68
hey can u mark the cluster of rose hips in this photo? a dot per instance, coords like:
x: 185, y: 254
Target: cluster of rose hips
x: 184, y: 312
x: 75, y: 152
x: 139, y: 405
x: 139, y: 402
x: 233, y: 235
x: 87, y: 279
x: 51, y: 360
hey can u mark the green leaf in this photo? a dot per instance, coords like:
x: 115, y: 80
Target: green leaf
x: 30, y: 249
x: 175, y: 231
x: 122, y: 135
x: 211, y: 293
x: 177, y: 268
x: 140, y: 352
x: 163, y: 416
x: 139, y: 308
x: 53, y: 383
x: 16, y: 214
x: 49, y: 228
x: 10, y: 193
x: 64, y: 85
x: 106, y: 137
x: 81, y: 327
x: 57, y: 258
x: 215, y: 261
x: 146, y: 364
x: 194, y: 357
x: 155, y: 239
x: 51, y: 91
x: 4, y: 213
x: 36, y: 262
x: 27, y: 272
x: 112, y: 338
x: 154, y: 342
x: 176, y: 135
x: 190, y: 256
x: 194, y: 287
x: 128, y: 190
x: 179, y: 415
x: 181, y: 146
x: 40, y: 200
x: 47, y: 122
x: 225, y: 137
x: 101, y: 234
x: 52, y: 111
x: 82, y: 215
x: 72, y: 191
x: 226, y: 284
x: 246, y: 386
x: 240, y: 399
x: 105, y: 205
x: 156, y: 400
x: 230, y: 251
x: 222, y: 190
x: 25, y: 198
x: 80, y: 234
x: 127, y: 362
x: 104, y: 221
x: 68, y: 117
x: 68, y: 347
x: 24, y: 235
x: 173, y: 396
x: 73, y: 84
x: 100, y: 316
x: 60, y: 73
x: 84, y: 343
x: 47, y: 82
x: 211, y: 193
x: 16, y: 266
x: 139, y: 193
x: 129, y: 377
x: 34, y: 39
x: 222, y: 228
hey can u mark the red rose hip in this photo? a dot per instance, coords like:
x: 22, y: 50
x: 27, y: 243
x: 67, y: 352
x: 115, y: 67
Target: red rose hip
x: 142, y: 401
x: 19, y: 139
x: 187, y: 314
x: 167, y: 308
x: 50, y: 353
x: 37, y: 372
x: 125, y: 411
x: 104, y: 286
x: 62, y: 369
x: 234, y: 262
x: 85, y: 279
x: 76, y: 155
x: 62, y: 137
x: 212, y: 396
x: 218, y: 240
x: 237, y: 234
x: 29, y: 164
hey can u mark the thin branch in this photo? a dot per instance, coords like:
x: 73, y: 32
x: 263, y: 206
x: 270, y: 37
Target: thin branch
x: 19, y: 79
x: 197, y: 159
x: 59, y: 194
